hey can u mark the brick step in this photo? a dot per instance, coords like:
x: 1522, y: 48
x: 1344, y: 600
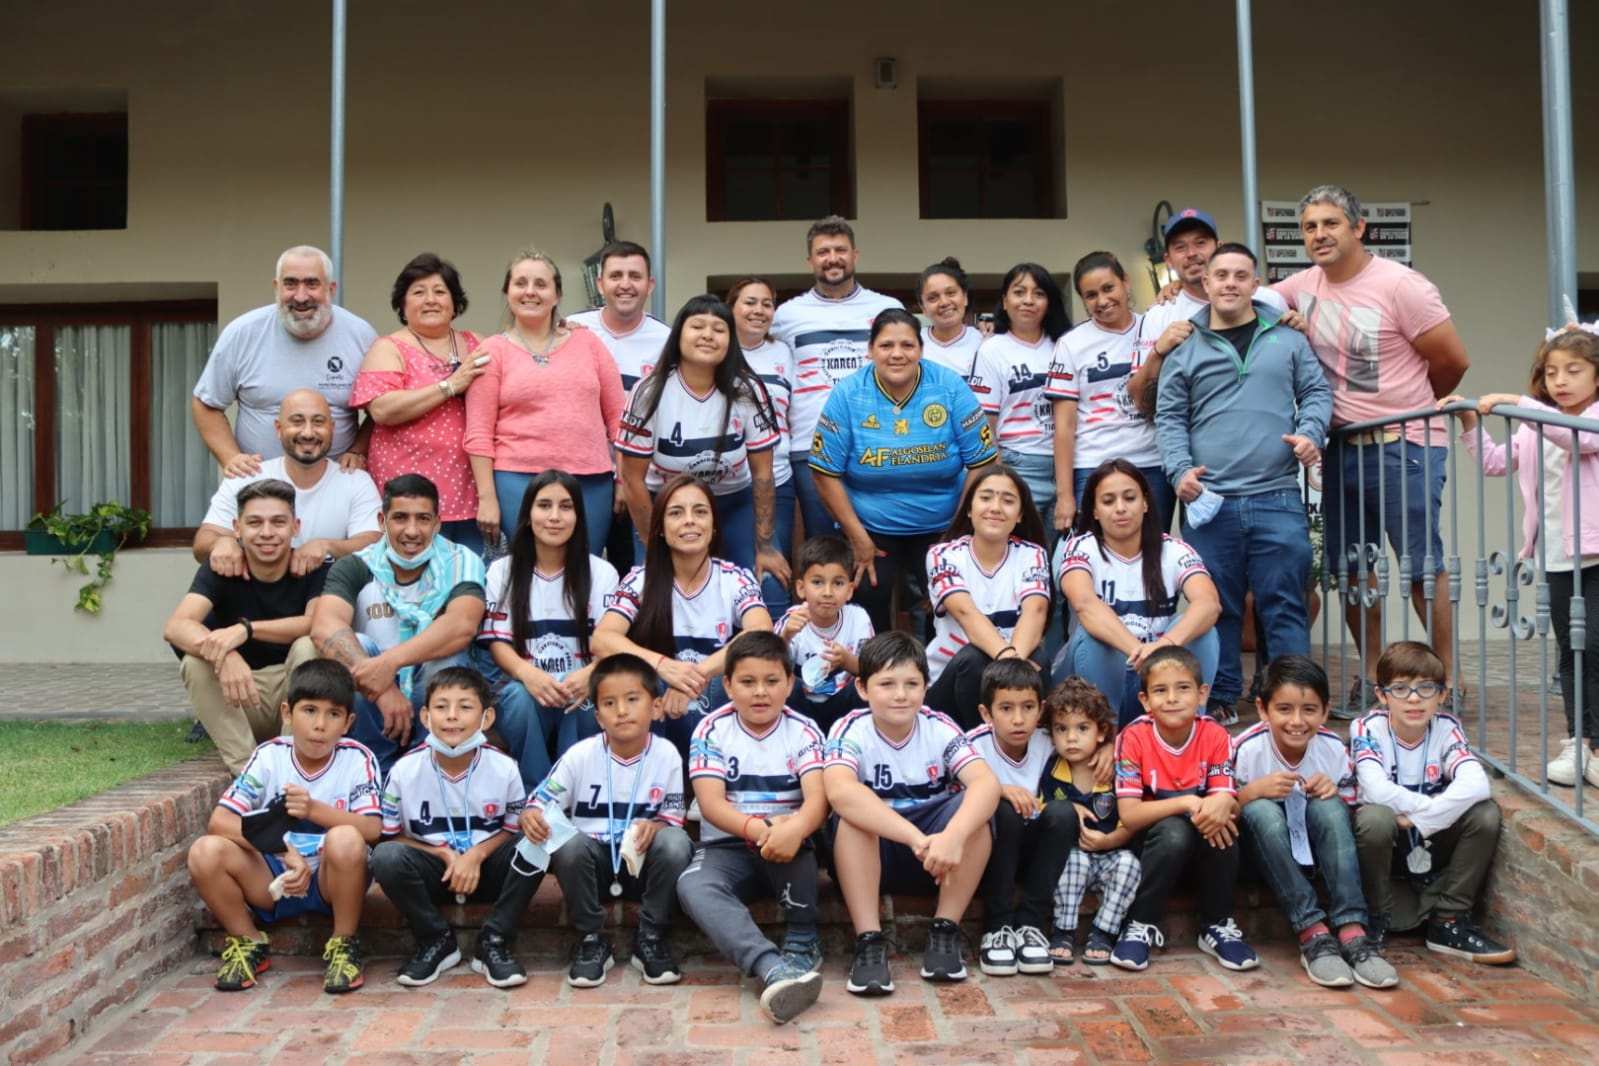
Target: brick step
x: 545, y: 933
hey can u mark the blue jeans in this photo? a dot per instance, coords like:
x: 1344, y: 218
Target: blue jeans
x: 1106, y: 668
x: 681, y: 730
x: 368, y: 726
x: 1401, y: 513
x: 1332, y: 842
x: 465, y: 532
x: 1258, y: 544
x: 1039, y: 473
x: 1160, y: 491
x: 534, y: 735
x: 773, y: 592
x: 818, y: 519
x: 510, y: 486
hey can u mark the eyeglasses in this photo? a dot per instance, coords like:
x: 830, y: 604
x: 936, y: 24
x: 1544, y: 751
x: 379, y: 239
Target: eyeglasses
x: 1424, y: 691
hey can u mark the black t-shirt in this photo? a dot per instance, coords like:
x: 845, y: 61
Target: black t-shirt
x: 1241, y: 336
x: 233, y: 599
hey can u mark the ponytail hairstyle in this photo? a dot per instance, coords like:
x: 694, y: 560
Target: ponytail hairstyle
x: 652, y: 626
x: 1149, y: 535
x: 894, y: 316
x: 1057, y: 316
x: 949, y: 267
x: 1096, y: 261
x: 575, y: 576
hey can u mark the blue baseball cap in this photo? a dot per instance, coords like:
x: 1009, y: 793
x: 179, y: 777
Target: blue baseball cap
x: 1188, y: 216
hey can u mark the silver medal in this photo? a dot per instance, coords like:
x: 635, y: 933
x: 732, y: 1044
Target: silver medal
x: 460, y: 897
x: 616, y: 888
x: 1419, y: 861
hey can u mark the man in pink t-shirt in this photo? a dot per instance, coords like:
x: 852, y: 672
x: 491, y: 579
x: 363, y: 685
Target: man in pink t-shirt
x: 1387, y: 346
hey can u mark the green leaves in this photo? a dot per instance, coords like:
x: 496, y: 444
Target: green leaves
x: 102, y: 530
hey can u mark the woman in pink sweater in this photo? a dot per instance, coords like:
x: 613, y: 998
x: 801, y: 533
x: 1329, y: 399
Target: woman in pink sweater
x: 549, y: 399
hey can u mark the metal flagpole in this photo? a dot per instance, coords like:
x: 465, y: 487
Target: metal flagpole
x: 1560, y: 198
x: 1246, y: 122
x: 658, y: 153
x: 336, y: 155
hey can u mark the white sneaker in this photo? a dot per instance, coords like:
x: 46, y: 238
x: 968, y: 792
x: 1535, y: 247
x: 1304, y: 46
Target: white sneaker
x: 1590, y: 770
x: 1562, y: 769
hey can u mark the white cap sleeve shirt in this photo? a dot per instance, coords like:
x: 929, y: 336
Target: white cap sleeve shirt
x: 760, y: 772
x: 604, y: 800
x: 1119, y: 580
x: 959, y: 355
x: 924, y: 766
x: 553, y: 645
x: 635, y: 352
x: 773, y: 363
x: 685, y: 434
x: 701, y: 623
x: 1091, y: 367
x: 952, y: 568
x: 1009, y: 382
x: 828, y: 339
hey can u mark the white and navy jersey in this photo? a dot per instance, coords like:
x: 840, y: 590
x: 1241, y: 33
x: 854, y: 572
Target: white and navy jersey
x: 1157, y: 318
x: 761, y: 773
x: 924, y: 766
x: 853, y: 628
x: 1092, y: 366
x: 773, y: 363
x: 1427, y: 767
x: 553, y: 646
x: 424, y: 803
x: 692, y: 434
x: 348, y: 782
x: 647, y: 786
x: 1009, y: 383
x: 828, y: 339
x: 959, y: 355
x: 703, y: 622
x: 1024, y: 774
x: 952, y: 568
x: 1255, y: 755
x: 635, y: 352
x: 1119, y: 580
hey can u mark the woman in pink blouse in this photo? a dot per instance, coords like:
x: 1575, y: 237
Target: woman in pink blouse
x: 549, y: 399
x: 412, y: 384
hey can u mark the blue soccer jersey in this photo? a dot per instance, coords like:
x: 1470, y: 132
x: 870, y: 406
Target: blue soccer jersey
x: 902, y: 463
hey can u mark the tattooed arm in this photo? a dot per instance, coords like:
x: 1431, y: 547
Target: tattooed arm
x: 336, y: 640
x: 768, y: 558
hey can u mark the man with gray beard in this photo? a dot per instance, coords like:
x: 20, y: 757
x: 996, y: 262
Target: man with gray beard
x: 300, y: 341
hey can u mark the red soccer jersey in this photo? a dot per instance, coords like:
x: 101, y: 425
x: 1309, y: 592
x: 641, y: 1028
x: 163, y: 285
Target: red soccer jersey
x: 1148, y: 768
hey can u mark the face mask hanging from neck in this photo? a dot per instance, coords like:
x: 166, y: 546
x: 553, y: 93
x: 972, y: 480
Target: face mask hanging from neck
x: 466, y: 747
x: 415, y: 562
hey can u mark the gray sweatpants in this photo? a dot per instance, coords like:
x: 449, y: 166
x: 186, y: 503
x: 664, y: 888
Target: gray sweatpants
x: 725, y: 876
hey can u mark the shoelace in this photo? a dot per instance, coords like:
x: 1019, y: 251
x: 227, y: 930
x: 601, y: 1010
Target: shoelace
x: 947, y: 936
x: 652, y: 948
x: 1145, y: 933
x: 1031, y: 936
x: 1360, y: 949
x: 590, y: 949
x: 238, y: 958
x: 1321, y: 946
x: 1000, y: 939
x: 873, y: 952
x: 342, y: 957
x: 496, y: 951
x: 1227, y: 930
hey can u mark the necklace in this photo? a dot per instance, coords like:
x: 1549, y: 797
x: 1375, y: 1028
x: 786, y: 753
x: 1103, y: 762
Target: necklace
x: 458, y: 842
x: 613, y: 834
x: 455, y: 355
x: 540, y: 356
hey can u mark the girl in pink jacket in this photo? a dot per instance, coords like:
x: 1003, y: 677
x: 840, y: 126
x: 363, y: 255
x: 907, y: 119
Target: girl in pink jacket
x: 1565, y: 377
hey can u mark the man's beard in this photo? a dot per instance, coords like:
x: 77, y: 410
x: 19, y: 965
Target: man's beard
x: 305, y: 328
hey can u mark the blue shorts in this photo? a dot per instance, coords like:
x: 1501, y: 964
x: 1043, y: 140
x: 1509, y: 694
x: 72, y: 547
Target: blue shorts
x: 293, y: 906
x: 902, y: 871
x: 1411, y: 479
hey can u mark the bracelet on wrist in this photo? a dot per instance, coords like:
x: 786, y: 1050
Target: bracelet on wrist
x: 249, y: 630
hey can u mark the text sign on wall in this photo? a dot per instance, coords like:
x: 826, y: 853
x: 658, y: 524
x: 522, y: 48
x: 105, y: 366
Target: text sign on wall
x: 1387, y: 234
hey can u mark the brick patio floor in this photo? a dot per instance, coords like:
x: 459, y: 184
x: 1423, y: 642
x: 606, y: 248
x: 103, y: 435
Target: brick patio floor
x: 1183, y: 1009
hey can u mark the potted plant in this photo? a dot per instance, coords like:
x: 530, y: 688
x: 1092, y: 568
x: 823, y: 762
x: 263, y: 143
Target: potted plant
x: 101, y: 531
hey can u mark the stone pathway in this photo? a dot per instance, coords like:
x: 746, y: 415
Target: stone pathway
x: 1183, y: 1009
x: 130, y: 692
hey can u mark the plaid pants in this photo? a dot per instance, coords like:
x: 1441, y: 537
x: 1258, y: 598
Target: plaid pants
x: 1115, y: 873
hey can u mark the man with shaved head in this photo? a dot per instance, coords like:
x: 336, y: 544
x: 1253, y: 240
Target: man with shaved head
x: 337, y: 508
x: 299, y: 341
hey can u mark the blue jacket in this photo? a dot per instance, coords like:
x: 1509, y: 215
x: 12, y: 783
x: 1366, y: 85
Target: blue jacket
x: 1229, y: 415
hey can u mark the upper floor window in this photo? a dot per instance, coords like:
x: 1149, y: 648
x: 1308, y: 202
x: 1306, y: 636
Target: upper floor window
x: 777, y: 159
x: 987, y: 159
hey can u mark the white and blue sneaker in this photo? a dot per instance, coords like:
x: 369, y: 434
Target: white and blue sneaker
x: 1225, y: 942
x: 1132, y: 950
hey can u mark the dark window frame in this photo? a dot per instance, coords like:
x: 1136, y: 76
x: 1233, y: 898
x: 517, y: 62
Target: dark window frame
x: 1039, y: 114
x: 35, y: 128
x: 720, y: 113
x: 140, y: 318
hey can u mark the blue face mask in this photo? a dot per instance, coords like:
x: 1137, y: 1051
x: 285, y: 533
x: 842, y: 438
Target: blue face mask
x: 415, y: 562
x: 466, y: 747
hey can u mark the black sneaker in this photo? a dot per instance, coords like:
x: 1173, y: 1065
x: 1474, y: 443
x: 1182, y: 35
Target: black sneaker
x: 653, y: 958
x: 431, y: 959
x: 591, y: 960
x: 345, y: 972
x: 1460, y: 937
x: 1225, y: 713
x: 1377, y: 931
x: 942, y: 960
x: 868, y: 974
x: 493, y: 959
x: 243, y: 960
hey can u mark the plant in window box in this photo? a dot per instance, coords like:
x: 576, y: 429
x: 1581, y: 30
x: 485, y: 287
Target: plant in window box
x: 102, y: 531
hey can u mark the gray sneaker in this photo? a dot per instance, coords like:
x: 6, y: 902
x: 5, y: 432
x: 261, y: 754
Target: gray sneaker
x: 1324, y: 963
x: 788, y: 990
x: 1369, y: 967
x: 1362, y: 698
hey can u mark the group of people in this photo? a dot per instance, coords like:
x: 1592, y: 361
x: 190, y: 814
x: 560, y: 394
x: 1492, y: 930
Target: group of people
x: 630, y: 550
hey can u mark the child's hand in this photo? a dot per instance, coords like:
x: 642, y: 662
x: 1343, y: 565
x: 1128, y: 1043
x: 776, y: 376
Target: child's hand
x: 833, y: 655
x: 1215, y: 811
x: 1488, y: 401
x: 919, y: 847
x: 533, y: 825
x: 1025, y: 802
x: 298, y: 881
x: 644, y: 831
x: 797, y: 619
x: 461, y: 872
x: 944, y: 853
x: 1468, y: 418
x: 1403, y: 821
x: 1274, y: 786
x: 1104, y: 763
x: 1320, y: 787
x: 673, y: 705
x: 681, y: 676
x: 1223, y: 836
x: 783, y: 840
x: 1091, y: 839
x: 296, y: 801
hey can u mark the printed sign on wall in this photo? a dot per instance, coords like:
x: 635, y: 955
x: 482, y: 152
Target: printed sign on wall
x: 1388, y: 234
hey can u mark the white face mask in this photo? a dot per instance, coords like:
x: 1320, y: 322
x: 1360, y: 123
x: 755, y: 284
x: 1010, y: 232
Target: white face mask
x: 466, y: 747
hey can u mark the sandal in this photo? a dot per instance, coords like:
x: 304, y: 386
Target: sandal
x: 1100, y: 944
x: 1062, y: 945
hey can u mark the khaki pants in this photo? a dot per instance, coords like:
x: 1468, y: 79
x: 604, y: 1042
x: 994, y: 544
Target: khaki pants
x: 1461, y: 856
x: 237, y: 730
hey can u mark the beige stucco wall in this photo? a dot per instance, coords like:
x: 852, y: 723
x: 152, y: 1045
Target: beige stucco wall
x: 475, y: 128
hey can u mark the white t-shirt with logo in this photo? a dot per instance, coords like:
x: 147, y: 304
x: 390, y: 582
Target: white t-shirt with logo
x: 1023, y: 774
x: 423, y: 802
x: 1255, y: 755
x: 685, y: 435
x: 1009, y: 383
x: 340, y: 505
x: 952, y: 568
x: 761, y: 773
x: 1092, y: 367
x: 828, y: 339
x: 256, y: 362
x: 924, y: 766
x: 348, y: 782
x: 959, y: 355
x: 1119, y: 580
x: 553, y: 646
x: 701, y: 623
x: 604, y: 794
x: 773, y: 363
x: 635, y: 352
x: 853, y: 628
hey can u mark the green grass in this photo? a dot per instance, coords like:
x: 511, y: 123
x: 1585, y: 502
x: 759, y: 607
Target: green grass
x: 50, y: 764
